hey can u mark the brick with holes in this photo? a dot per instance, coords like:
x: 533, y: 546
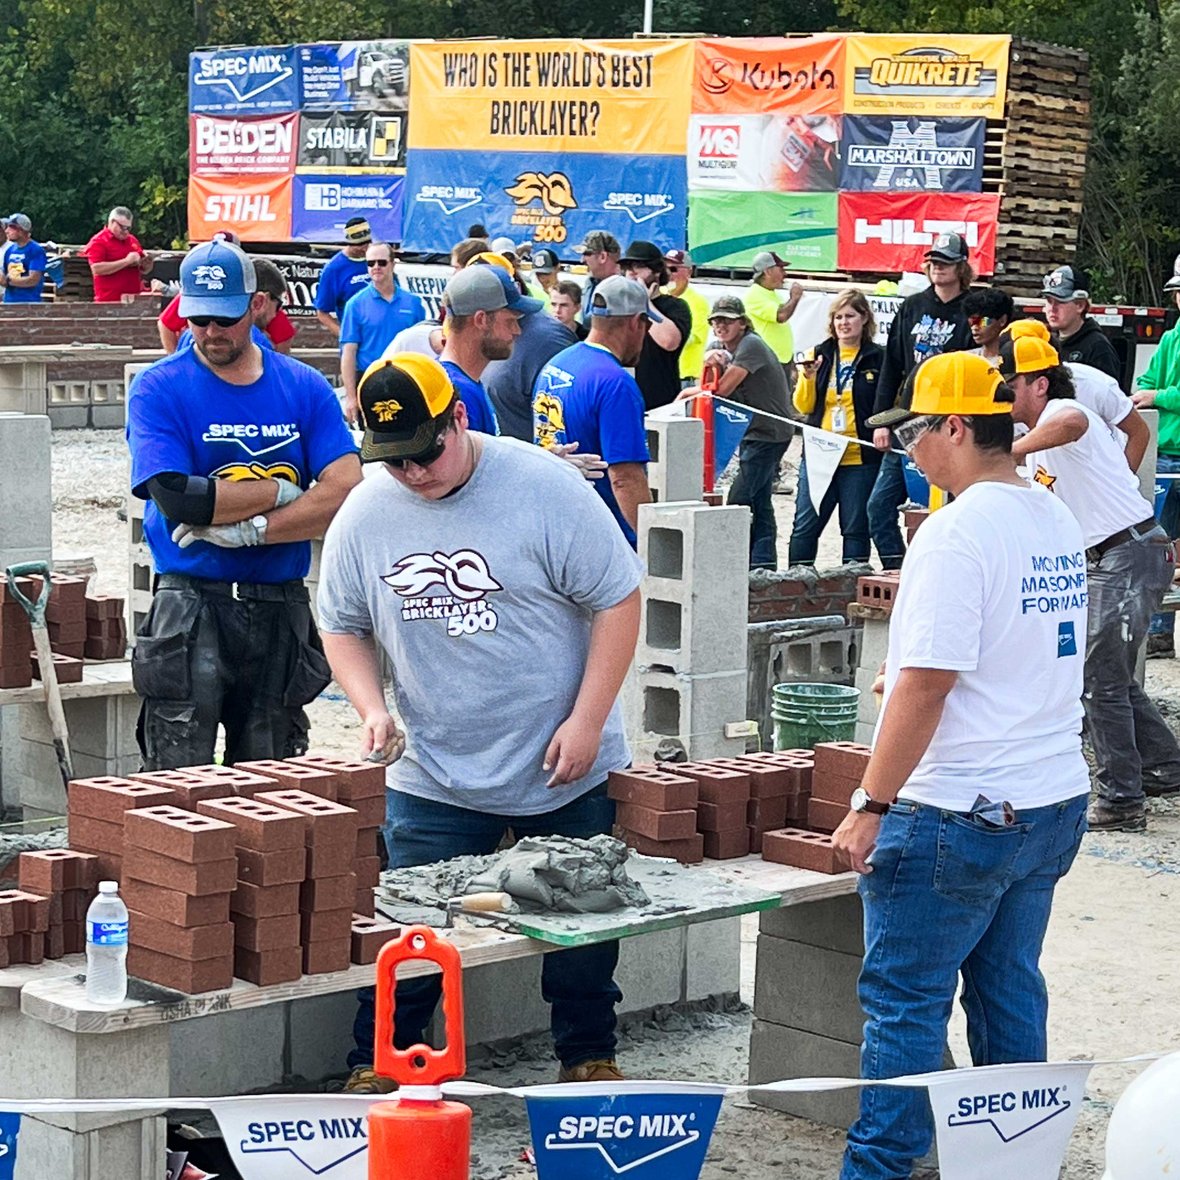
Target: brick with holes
x: 54, y: 870
x: 292, y: 776
x: 107, y: 797
x: 180, y: 834
x: 369, y: 935
x: 261, y: 826
x: 266, y: 968
x: 716, y: 784
x: 326, y: 823
x: 648, y: 786
x: 804, y: 850
x: 182, y: 975
x: 173, y: 906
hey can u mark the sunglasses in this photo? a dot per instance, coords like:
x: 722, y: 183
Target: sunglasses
x: 910, y: 432
x: 981, y: 321
x: 427, y: 457
x: 222, y: 321
x: 377, y: 262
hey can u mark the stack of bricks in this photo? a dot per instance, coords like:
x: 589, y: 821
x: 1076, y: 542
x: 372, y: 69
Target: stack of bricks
x: 913, y: 520
x: 656, y: 811
x: 196, y: 784
x: 97, y: 809
x: 780, y: 785
x: 327, y: 896
x: 24, y: 925
x: 16, y: 636
x: 293, y: 776
x: 879, y: 590
x: 106, y: 628
x: 68, y: 878
x: 722, y: 808
x: 185, y: 940
x: 65, y: 614
x: 269, y: 846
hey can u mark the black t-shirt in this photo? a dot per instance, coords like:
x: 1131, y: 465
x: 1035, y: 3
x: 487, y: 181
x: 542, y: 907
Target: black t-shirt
x: 658, y: 371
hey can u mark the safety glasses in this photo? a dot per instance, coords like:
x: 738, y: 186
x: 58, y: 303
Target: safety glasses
x: 910, y: 432
x: 222, y: 321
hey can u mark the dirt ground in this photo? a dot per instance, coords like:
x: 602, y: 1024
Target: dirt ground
x: 1111, y: 958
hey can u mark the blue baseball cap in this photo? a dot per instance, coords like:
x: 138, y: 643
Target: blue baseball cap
x: 216, y: 279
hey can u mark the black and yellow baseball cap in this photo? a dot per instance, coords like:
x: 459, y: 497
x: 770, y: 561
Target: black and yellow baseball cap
x: 404, y: 402
x: 951, y: 383
x: 1027, y: 354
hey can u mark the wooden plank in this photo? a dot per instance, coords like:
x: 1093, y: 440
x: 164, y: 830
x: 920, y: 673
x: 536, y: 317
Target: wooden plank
x: 112, y: 678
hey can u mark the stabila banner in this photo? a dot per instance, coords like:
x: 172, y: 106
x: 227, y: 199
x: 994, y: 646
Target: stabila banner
x: 926, y: 74
x: 322, y: 204
x: 351, y: 141
x: 555, y: 96
x: 355, y: 75
x: 764, y: 153
x: 243, y: 81
x: 793, y: 75
x: 260, y: 146
x: 892, y: 232
x: 549, y: 198
x: 728, y: 229
x: 912, y: 154
x: 256, y: 208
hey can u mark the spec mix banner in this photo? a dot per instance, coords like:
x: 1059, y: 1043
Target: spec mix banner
x: 243, y: 81
x: 9, y: 1132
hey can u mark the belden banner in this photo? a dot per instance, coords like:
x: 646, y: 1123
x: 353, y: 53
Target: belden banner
x: 243, y: 81
x: 768, y: 153
x: 256, y: 208
x: 258, y: 146
x: 356, y: 75
x: 321, y: 205
x: 791, y: 75
x: 901, y: 154
x: 351, y: 141
x: 892, y: 232
x: 728, y: 229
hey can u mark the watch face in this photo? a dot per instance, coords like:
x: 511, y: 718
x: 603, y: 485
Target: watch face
x: 859, y: 798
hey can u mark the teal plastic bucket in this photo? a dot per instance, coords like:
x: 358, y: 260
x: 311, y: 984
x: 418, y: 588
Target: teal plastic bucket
x: 804, y: 714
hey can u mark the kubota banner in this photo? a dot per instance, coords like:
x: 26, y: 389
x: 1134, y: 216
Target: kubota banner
x: 793, y: 75
x: 256, y: 208
x: 562, y: 96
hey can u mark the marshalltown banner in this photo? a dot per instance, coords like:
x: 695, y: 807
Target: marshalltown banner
x: 243, y: 81
x: 790, y: 75
x: 728, y: 229
x: 884, y: 154
x: 262, y: 146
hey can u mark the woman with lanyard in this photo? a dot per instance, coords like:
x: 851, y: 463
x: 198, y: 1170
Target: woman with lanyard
x: 835, y: 392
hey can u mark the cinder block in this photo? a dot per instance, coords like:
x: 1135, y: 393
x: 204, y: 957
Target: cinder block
x: 778, y: 1052
x: 712, y: 959
x: 808, y: 987
x: 319, y: 1034
x: 836, y: 923
x: 235, y: 1053
x: 25, y: 461
x: 874, y: 643
x: 694, y: 710
x: 675, y: 472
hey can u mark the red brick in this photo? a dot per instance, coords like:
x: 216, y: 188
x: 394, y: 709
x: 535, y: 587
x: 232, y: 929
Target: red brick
x: 656, y: 825
x: 266, y: 934
x: 260, y: 826
x: 169, y: 905
x: 110, y: 864
x: 325, y: 925
x: 369, y: 935
x: 74, y: 937
x: 721, y: 817
x: 96, y: 834
x: 328, y: 860
x: 688, y: 852
x: 365, y: 904
x: 15, y: 915
x: 55, y: 942
x: 368, y: 872
x: 75, y: 902
x: 214, y: 876
x: 16, y: 677
x: 103, y: 606
x: 55, y: 870
x: 182, y: 942
x: 264, y: 901
x: 66, y: 634
x: 766, y: 781
x: 354, y: 779
x: 825, y: 816
x: 370, y: 811
x: 180, y: 834
x: 291, y: 776
x: 325, y: 821
x: 728, y: 844
x: 107, y: 630
x: 879, y: 591
x: 915, y: 517
x: 107, y: 798
x: 652, y: 788
x: 56, y: 907
x: 190, y: 785
x: 797, y: 809
x: 845, y: 759
x: 803, y: 850
x: 28, y: 947
x: 328, y: 893
x: 320, y: 958
x: 64, y: 588
x: 24, y: 585
x: 96, y: 649
x: 63, y: 612
x: 266, y: 968
x: 67, y: 670
x: 716, y: 784
x: 283, y: 867
x: 767, y: 814
x: 833, y: 787
x: 205, y: 975
x: 368, y: 842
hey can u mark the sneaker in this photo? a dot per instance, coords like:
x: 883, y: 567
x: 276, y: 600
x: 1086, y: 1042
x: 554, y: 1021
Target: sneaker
x: 1102, y: 818
x: 601, y: 1069
x: 366, y: 1080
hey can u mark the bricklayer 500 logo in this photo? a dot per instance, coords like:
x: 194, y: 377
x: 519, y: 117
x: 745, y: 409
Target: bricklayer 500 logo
x: 553, y: 192
x: 929, y: 70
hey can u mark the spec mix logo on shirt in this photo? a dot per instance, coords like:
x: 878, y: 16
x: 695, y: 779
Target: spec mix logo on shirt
x: 464, y: 577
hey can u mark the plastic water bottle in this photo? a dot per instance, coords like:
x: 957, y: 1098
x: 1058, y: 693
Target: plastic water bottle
x: 106, y: 947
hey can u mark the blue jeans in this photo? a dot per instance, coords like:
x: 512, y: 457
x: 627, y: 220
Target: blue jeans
x: 1164, y: 623
x: 950, y: 896
x: 757, y: 469
x: 887, y: 497
x: 849, y: 489
x: 578, y: 983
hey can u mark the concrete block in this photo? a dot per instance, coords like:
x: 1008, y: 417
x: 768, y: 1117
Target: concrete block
x: 503, y: 1000
x: 22, y: 386
x: 69, y: 417
x: 41, y: 792
x: 234, y: 1053
x: 692, y: 710
x: 778, y: 1052
x: 651, y: 970
x: 26, y: 518
x: 319, y: 1035
x: 865, y: 731
x: 107, y: 416
x: 102, y: 727
x: 712, y: 959
x: 131, y: 1149
x: 808, y: 987
x: 677, y: 466
x: 836, y: 923
x: 874, y: 643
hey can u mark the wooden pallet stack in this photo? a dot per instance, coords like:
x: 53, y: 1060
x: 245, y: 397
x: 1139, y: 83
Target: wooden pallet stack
x: 1036, y: 160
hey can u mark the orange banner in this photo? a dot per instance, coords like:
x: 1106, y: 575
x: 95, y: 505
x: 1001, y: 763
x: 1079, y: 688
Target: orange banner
x: 256, y: 208
x: 797, y: 75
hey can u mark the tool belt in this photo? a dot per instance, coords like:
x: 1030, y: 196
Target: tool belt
x: 1134, y: 533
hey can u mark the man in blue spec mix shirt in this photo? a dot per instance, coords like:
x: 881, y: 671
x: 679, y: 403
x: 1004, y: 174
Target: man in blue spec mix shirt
x: 226, y: 442
x: 22, y: 261
x: 343, y: 276
x: 585, y: 395
x: 372, y: 318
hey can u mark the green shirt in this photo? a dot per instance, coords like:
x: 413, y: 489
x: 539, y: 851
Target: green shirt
x: 762, y: 307
x: 1163, y: 375
x: 692, y: 358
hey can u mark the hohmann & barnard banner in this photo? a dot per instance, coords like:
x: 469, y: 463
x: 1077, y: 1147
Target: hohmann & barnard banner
x: 321, y: 205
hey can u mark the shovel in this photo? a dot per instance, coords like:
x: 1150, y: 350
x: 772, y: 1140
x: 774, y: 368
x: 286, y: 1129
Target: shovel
x: 36, y: 612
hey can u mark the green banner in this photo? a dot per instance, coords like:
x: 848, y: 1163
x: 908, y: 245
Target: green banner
x: 721, y: 233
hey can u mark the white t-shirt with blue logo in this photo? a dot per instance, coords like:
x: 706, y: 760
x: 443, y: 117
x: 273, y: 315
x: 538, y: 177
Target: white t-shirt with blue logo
x: 994, y: 588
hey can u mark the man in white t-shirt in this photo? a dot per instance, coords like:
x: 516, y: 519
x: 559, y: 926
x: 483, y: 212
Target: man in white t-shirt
x: 974, y: 801
x: 1130, y: 562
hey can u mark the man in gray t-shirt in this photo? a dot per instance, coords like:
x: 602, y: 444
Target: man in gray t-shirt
x: 507, y: 601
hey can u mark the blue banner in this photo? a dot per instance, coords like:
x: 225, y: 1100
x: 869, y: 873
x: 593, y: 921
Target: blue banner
x: 645, y: 1136
x: 355, y: 75
x: 320, y: 205
x: 729, y: 428
x: 243, y: 81
x: 549, y: 198
x: 900, y: 154
x: 9, y: 1130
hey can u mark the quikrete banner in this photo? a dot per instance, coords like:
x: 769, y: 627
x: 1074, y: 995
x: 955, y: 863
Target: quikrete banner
x: 729, y: 228
x: 555, y: 96
x: 892, y: 232
x: 351, y: 141
x: 243, y: 81
x: 261, y: 146
x: 926, y: 74
x: 768, y: 153
x: 322, y: 204
x: 355, y: 75
x: 793, y: 75
x: 882, y: 154
x: 551, y: 198
x: 256, y: 208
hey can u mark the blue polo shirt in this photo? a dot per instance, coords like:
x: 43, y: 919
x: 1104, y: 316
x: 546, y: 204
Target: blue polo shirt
x: 371, y: 321
x: 340, y: 280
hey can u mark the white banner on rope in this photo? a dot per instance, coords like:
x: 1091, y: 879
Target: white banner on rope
x: 823, y: 452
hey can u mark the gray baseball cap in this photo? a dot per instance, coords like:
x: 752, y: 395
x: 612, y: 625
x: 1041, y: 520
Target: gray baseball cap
x: 504, y: 246
x: 21, y: 221
x: 545, y: 261
x: 484, y: 287
x: 619, y: 296
x: 764, y: 260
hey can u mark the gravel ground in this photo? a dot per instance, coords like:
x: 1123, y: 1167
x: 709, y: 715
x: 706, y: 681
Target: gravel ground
x: 1111, y: 957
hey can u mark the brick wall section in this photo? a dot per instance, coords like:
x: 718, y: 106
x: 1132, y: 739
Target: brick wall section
x: 802, y: 592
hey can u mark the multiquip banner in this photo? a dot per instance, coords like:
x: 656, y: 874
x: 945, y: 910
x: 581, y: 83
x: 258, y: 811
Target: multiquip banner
x: 258, y: 146
x: 884, y: 154
x: 764, y: 153
x: 786, y: 75
x: 243, y: 81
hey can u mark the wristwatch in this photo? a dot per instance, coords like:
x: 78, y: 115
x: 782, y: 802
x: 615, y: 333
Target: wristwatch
x: 862, y: 801
x: 259, y: 523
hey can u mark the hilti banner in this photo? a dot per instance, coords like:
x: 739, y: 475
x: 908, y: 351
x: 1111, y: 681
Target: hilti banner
x: 892, y: 232
x: 242, y: 147
x: 882, y: 154
x: 256, y: 208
